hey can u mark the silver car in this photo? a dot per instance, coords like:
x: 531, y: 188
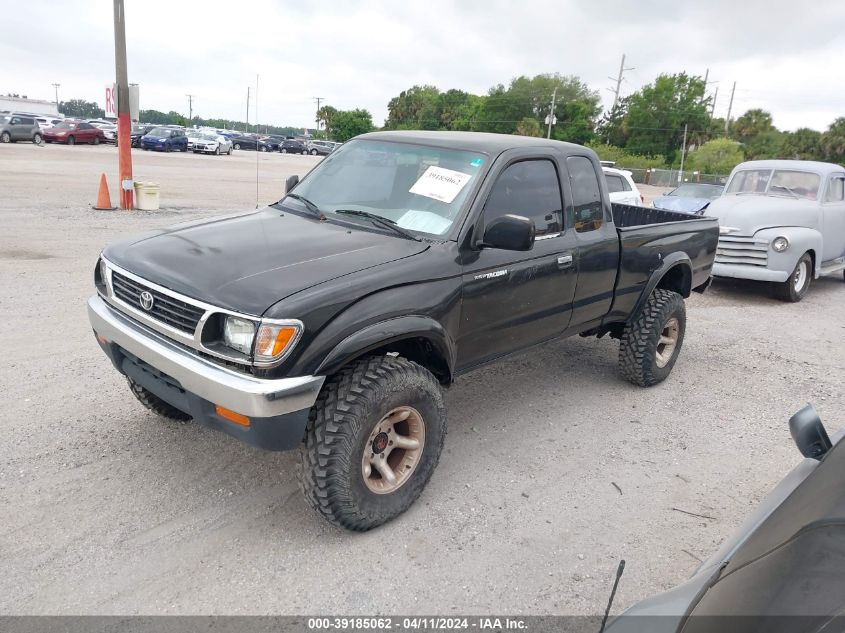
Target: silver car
x: 18, y: 127
x: 212, y: 144
x: 781, y: 221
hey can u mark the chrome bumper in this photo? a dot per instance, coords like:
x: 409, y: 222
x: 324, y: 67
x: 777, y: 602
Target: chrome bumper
x: 742, y: 271
x: 244, y: 394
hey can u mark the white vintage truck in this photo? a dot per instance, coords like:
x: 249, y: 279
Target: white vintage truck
x: 781, y: 221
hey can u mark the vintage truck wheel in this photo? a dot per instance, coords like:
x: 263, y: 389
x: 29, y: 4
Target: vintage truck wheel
x: 373, y: 440
x: 795, y: 287
x: 651, y: 343
x: 156, y: 404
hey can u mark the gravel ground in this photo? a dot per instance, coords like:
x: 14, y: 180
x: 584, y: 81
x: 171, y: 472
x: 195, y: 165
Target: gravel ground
x: 553, y: 470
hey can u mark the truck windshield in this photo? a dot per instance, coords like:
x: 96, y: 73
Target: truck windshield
x: 778, y: 182
x: 419, y: 188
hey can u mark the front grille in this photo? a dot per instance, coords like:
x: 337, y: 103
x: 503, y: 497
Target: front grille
x: 742, y: 250
x: 173, y: 312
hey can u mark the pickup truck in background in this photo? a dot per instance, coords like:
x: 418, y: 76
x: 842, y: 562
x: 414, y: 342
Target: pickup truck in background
x: 331, y: 320
x: 782, y: 221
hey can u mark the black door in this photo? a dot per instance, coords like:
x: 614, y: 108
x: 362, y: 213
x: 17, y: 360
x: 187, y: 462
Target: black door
x: 514, y: 299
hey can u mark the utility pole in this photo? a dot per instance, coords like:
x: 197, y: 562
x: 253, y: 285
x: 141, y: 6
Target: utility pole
x: 318, y: 100
x: 247, y: 109
x: 713, y: 105
x: 190, y: 108
x: 124, y: 124
x: 56, y: 86
x: 618, y: 81
x: 730, y: 107
x: 551, y: 118
x: 683, y: 154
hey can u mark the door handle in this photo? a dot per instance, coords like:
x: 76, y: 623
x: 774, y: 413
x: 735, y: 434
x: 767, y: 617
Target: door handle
x: 564, y: 261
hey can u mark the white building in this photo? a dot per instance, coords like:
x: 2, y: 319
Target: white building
x: 28, y: 106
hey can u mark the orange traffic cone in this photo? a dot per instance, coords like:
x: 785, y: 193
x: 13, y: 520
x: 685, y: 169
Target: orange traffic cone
x: 103, y: 198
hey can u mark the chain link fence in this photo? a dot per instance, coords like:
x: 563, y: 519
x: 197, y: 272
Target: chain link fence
x: 672, y: 177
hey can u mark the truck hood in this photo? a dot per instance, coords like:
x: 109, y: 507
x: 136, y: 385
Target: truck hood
x: 246, y: 263
x: 752, y: 213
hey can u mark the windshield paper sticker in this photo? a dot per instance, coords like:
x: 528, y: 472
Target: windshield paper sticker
x: 424, y: 221
x: 440, y: 184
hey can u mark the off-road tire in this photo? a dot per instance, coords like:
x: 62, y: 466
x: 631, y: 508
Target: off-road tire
x: 156, y: 404
x: 786, y: 290
x: 339, y: 426
x: 639, y: 344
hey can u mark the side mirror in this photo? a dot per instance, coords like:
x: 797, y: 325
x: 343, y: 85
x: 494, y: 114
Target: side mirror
x: 809, y: 433
x: 510, y: 233
x: 291, y: 182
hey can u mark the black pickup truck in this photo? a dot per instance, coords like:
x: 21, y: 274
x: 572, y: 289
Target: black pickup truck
x: 331, y: 320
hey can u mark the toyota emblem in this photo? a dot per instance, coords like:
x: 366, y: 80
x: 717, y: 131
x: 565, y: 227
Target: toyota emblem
x: 146, y: 300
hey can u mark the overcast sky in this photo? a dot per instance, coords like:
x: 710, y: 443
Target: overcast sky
x: 786, y: 56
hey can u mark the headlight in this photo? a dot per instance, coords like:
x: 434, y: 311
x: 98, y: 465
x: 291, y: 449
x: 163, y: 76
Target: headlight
x: 780, y: 244
x: 238, y: 334
x: 275, y: 340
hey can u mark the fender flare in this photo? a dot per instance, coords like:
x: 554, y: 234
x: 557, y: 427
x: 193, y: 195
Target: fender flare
x: 387, y: 332
x: 671, y: 261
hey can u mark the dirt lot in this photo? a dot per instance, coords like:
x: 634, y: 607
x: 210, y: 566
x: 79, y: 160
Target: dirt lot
x: 107, y: 509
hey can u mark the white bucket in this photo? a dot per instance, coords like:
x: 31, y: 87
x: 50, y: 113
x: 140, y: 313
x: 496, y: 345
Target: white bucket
x: 146, y: 196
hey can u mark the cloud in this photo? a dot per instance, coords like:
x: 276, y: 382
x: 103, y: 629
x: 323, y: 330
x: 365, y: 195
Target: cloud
x: 362, y: 53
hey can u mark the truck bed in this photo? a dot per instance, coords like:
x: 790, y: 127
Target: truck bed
x: 650, y: 237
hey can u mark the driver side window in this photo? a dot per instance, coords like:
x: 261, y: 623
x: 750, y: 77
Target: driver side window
x: 529, y: 188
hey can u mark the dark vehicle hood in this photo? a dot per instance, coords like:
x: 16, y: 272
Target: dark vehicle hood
x: 678, y: 203
x: 246, y: 263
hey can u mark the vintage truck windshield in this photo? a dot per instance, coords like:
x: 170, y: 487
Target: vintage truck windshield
x: 419, y: 188
x: 780, y: 182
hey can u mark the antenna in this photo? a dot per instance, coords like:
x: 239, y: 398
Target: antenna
x: 256, y: 142
x: 619, y: 571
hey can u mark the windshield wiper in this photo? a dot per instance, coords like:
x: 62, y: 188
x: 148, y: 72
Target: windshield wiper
x: 792, y: 193
x: 313, y: 208
x: 380, y: 220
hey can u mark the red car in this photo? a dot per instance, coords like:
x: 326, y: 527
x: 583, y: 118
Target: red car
x: 73, y: 132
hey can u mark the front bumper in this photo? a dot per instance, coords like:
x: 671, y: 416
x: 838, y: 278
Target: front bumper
x: 741, y: 271
x: 277, y: 409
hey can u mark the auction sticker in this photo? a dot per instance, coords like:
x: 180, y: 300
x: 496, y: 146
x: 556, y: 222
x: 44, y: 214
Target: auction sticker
x: 440, y: 184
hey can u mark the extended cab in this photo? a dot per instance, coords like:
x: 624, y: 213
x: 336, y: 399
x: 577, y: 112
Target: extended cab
x: 331, y: 320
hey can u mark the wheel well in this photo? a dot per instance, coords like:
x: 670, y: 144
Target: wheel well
x: 812, y: 254
x: 677, y: 279
x: 421, y: 351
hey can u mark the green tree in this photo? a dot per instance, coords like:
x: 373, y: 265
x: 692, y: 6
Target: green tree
x: 414, y: 109
x: 81, y: 109
x: 802, y: 144
x: 657, y: 113
x: 751, y: 124
x: 529, y: 127
x: 768, y: 144
x: 325, y: 116
x: 832, y: 144
x: 718, y: 156
x: 576, y: 106
x: 349, y: 123
x: 611, y: 128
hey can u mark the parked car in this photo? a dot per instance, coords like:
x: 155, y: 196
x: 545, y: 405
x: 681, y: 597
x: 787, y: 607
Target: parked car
x: 193, y: 135
x: 165, y: 139
x: 72, y: 132
x: 269, y: 144
x: 138, y: 130
x: 782, y: 571
x: 293, y: 146
x: 401, y: 261
x: 321, y: 148
x: 245, y: 141
x: 109, y: 132
x: 782, y: 221
x: 17, y: 127
x: 689, y: 197
x: 212, y: 144
x: 45, y: 122
x: 621, y: 187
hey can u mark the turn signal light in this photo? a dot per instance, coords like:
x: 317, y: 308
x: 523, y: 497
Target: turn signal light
x: 273, y: 340
x: 230, y: 415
